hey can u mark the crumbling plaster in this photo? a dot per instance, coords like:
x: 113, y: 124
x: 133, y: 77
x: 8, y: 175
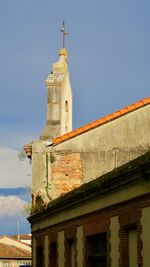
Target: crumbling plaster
x: 97, y: 151
x: 112, y: 144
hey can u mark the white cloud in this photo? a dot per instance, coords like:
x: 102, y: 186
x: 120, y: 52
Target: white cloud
x: 11, y: 205
x: 13, y: 173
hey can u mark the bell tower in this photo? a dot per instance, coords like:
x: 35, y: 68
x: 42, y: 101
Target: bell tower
x: 59, y: 99
x: 58, y: 122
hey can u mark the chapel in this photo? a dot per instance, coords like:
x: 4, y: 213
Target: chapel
x: 91, y: 185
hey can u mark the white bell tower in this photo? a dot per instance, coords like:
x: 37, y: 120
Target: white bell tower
x: 59, y: 99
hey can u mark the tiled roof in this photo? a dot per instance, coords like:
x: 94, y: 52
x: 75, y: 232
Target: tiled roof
x: 11, y: 241
x: 12, y: 252
x: 102, y: 121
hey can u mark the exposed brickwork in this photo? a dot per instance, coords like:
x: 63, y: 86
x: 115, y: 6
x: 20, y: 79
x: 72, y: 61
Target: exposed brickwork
x: 67, y: 172
x: 123, y: 261
x: 128, y: 218
x: 129, y: 214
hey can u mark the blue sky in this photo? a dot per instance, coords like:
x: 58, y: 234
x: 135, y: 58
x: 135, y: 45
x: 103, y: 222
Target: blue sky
x: 109, y: 63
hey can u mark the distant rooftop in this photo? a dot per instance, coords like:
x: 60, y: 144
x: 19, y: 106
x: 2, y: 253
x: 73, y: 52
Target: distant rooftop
x: 12, y: 252
x: 22, y: 237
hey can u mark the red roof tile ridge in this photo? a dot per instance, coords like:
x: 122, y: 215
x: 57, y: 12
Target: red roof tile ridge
x: 101, y: 121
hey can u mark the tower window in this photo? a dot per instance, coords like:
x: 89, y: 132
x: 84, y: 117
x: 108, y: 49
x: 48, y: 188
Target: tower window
x: 66, y: 106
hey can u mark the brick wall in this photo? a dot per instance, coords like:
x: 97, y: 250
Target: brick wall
x: 67, y: 172
x: 129, y: 214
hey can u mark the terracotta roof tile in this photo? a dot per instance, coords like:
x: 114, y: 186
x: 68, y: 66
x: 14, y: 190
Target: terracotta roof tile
x: 102, y: 121
x: 11, y: 252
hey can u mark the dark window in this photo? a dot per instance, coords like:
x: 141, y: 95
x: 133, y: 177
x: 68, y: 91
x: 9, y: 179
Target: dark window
x: 53, y: 254
x: 97, y: 250
x: 39, y: 256
x: 70, y: 253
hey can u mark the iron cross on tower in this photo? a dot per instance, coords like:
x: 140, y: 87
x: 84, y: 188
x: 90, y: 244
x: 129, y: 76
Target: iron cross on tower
x: 64, y: 33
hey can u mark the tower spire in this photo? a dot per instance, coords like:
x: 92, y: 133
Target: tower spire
x: 64, y: 33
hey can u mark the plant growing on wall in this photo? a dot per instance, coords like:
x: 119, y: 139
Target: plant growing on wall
x: 52, y: 157
x: 47, y: 187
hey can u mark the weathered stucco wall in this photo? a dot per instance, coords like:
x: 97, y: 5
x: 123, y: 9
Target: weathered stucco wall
x: 115, y: 206
x: 124, y: 194
x: 59, y: 99
x: 129, y: 131
x: 67, y: 165
x: 114, y: 241
x: 66, y: 105
x: 112, y: 144
x: 38, y: 167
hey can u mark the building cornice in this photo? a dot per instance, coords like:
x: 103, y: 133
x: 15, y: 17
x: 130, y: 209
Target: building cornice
x: 130, y: 173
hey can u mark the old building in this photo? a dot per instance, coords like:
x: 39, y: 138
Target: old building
x: 104, y: 222
x: 74, y: 212
x: 70, y: 160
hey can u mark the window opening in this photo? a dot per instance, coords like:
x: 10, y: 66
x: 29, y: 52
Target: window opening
x: 70, y: 253
x: 97, y: 250
x: 53, y: 254
x: 66, y: 106
x: 39, y: 256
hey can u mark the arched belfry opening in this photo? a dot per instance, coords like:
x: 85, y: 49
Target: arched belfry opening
x: 66, y: 106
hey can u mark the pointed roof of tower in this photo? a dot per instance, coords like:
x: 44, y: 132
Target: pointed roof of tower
x: 58, y: 68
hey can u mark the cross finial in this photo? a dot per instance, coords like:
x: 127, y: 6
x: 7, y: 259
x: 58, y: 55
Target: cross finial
x: 64, y: 33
